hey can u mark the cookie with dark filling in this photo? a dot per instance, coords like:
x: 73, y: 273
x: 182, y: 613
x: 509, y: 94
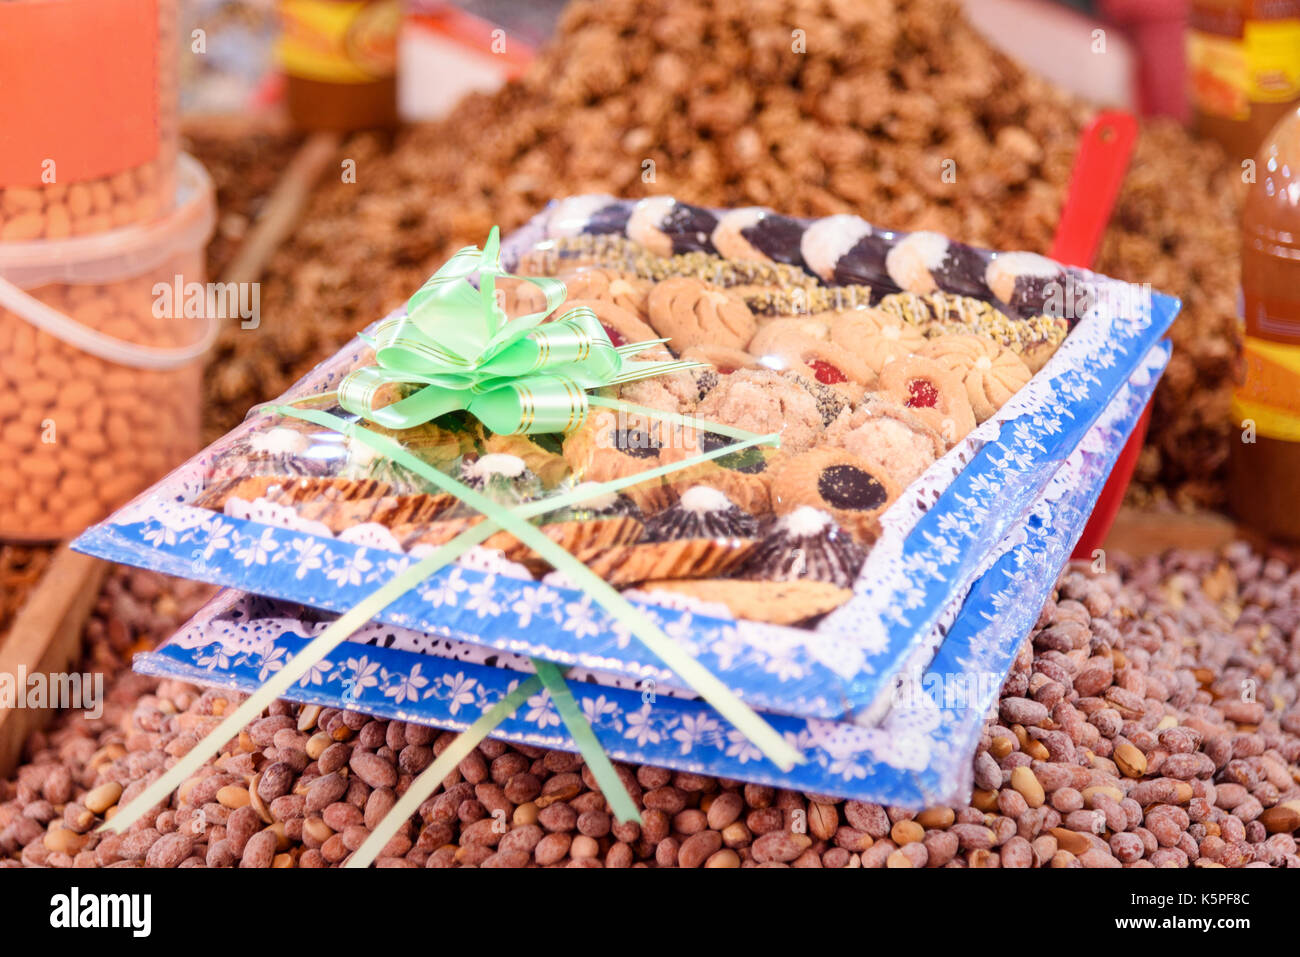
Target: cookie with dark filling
x: 744, y: 476
x: 805, y: 543
x: 612, y: 445
x: 667, y: 227
x: 703, y: 535
x: 1025, y: 281
x: 601, y: 521
x: 928, y: 262
x: 845, y: 250
x: 757, y: 234
x: 852, y: 490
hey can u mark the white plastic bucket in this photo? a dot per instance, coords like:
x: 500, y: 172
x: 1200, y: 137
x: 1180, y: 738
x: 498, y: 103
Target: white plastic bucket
x: 102, y: 384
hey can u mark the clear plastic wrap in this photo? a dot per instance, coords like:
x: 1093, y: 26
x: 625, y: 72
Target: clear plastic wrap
x: 917, y: 426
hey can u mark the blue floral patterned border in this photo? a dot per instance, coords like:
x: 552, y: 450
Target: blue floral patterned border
x: 918, y: 756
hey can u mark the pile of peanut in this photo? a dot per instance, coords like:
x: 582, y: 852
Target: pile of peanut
x: 708, y: 100
x: 83, y: 434
x: 1150, y: 720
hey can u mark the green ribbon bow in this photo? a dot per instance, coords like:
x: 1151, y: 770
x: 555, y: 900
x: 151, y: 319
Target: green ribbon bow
x: 456, y: 346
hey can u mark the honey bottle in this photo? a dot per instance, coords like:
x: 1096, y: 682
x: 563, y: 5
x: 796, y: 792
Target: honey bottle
x: 1243, y: 57
x: 1264, y: 471
x: 339, y: 59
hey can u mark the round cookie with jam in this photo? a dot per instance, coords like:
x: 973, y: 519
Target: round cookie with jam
x: 852, y: 490
x: 805, y: 543
x: 621, y: 325
x: 819, y: 361
x: 933, y: 393
x: 704, y: 534
x: 690, y: 312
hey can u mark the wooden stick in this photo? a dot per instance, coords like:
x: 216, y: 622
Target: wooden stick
x: 1141, y: 532
x: 45, y: 639
x: 283, y: 208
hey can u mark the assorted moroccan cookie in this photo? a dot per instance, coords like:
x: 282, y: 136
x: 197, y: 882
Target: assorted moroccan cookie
x: 805, y: 543
x: 991, y: 373
x: 868, y: 353
x: 852, y: 490
x: 891, y: 436
x: 776, y: 603
x: 703, y: 535
x: 933, y: 393
x: 690, y: 312
x: 763, y: 402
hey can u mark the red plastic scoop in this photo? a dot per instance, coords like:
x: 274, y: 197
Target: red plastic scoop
x: 1104, y: 150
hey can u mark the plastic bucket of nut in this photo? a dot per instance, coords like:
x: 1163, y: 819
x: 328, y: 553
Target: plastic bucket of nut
x: 68, y: 165
x: 102, y: 364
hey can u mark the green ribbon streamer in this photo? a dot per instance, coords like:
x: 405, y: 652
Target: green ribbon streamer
x: 699, y: 678
x: 607, y: 779
x: 432, y: 776
x: 280, y: 683
x: 459, y: 351
x: 455, y: 349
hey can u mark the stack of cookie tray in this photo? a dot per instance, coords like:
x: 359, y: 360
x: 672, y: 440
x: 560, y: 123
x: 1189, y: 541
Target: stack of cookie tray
x: 884, y: 694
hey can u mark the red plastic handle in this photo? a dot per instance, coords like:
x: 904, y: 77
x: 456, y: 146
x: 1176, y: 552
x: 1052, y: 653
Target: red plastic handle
x: 1104, y: 152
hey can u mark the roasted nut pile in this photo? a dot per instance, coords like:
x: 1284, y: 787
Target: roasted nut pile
x: 1150, y: 720
x: 710, y: 101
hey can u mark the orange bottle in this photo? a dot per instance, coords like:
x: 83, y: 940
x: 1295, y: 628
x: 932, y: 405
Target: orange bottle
x: 1243, y: 57
x: 339, y: 58
x: 1264, y: 482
